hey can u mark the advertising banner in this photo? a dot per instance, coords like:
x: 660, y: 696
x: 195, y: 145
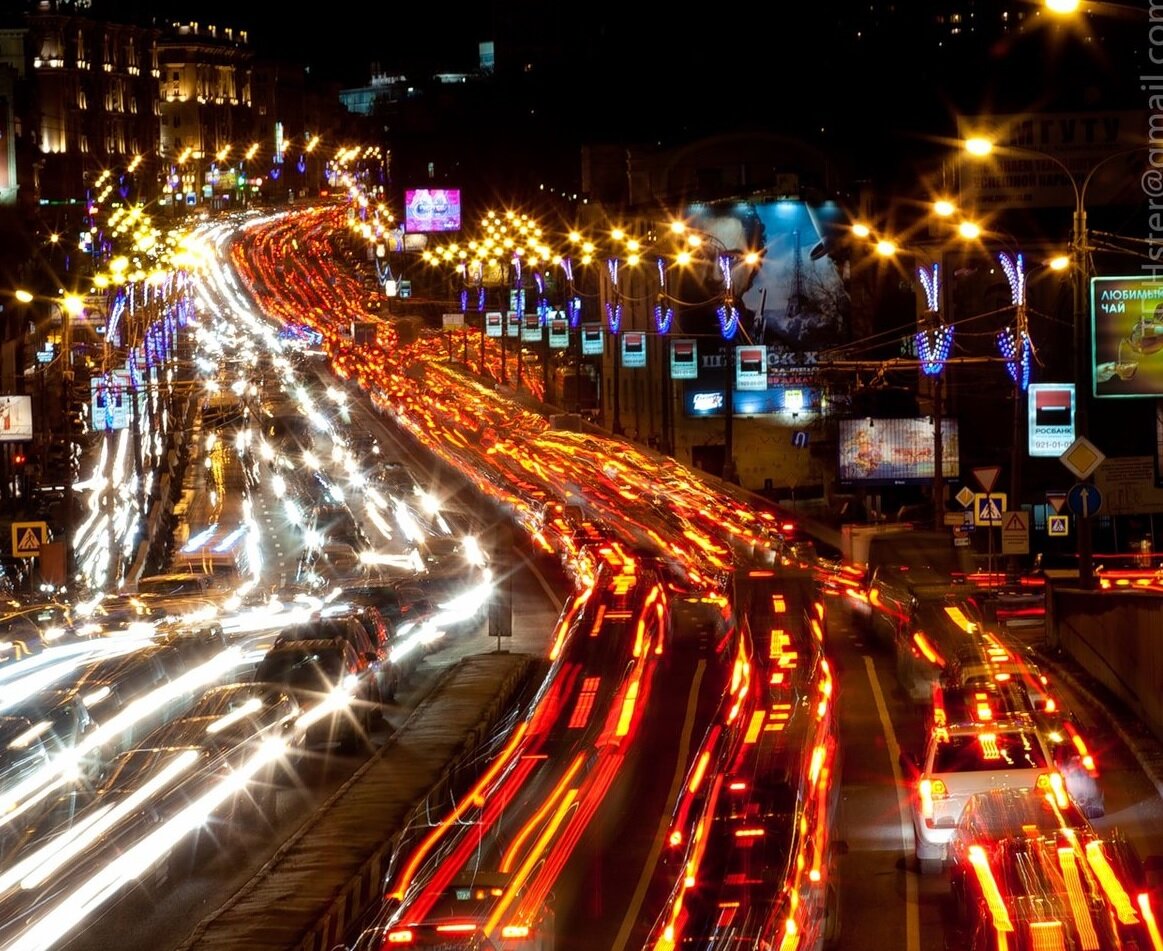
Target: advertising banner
x: 751, y: 368
x: 432, y: 209
x: 684, y: 360
x: 109, y: 398
x: 1127, y: 329
x: 15, y: 418
x: 513, y: 325
x: 531, y: 331
x: 1051, y: 418
x: 558, y: 330
x: 891, y: 451
x: 593, y: 340
x: 1035, y: 155
x: 494, y: 323
x: 633, y: 350
x: 452, y: 321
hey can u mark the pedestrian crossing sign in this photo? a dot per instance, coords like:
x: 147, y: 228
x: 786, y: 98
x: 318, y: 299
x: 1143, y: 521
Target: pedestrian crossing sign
x: 1058, y: 526
x: 28, y: 538
x: 988, y: 509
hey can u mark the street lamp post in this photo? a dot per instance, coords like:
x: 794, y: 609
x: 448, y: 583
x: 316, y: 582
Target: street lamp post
x: 1080, y: 263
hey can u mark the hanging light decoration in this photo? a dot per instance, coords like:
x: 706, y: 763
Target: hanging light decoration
x: 614, y: 308
x: 934, y: 341
x: 663, y: 315
x: 572, y: 301
x: 1014, y: 342
x: 728, y: 312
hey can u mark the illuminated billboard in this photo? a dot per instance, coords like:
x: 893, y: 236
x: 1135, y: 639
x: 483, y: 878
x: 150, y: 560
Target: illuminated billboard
x: 1127, y: 330
x: 1051, y: 418
x: 633, y: 349
x: 895, y: 451
x: 431, y: 209
x: 15, y: 418
x: 751, y: 368
x: 684, y: 360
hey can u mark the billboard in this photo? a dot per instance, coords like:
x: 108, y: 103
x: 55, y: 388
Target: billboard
x: 751, y: 368
x: 1051, y: 418
x: 431, y: 209
x: 593, y: 340
x: 1127, y: 330
x: 513, y: 325
x: 896, y: 451
x: 15, y: 418
x: 531, y: 328
x: 795, y: 299
x: 684, y: 360
x: 493, y: 323
x: 633, y: 349
x: 1035, y: 155
x: 712, y: 401
x: 110, y: 401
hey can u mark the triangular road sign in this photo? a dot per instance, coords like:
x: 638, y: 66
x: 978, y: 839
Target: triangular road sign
x: 1015, y: 522
x: 29, y: 542
x: 1056, y: 501
x: 986, y: 477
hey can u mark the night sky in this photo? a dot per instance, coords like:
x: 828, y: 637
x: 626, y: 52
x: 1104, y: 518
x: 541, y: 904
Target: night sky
x: 880, y: 82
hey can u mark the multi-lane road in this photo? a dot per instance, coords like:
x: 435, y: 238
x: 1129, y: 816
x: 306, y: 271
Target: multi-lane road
x: 619, y: 872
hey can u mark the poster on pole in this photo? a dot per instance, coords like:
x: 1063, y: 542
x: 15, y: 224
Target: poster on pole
x: 494, y: 323
x: 684, y: 360
x: 751, y: 368
x: 593, y: 340
x: 633, y: 349
x: 531, y: 331
x: 1050, y: 417
x: 513, y: 325
x: 558, y: 330
x: 15, y: 418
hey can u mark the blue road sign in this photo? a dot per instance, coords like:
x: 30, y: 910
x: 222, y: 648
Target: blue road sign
x: 1084, y: 500
x: 799, y: 439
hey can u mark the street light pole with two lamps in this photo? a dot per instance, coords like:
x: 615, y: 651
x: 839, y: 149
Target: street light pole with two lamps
x: 1079, y: 261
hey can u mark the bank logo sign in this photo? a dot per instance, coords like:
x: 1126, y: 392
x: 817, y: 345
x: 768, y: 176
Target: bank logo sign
x: 1051, y: 418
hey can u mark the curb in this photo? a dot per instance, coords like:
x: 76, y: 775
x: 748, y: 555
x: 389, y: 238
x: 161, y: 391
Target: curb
x: 1146, y: 750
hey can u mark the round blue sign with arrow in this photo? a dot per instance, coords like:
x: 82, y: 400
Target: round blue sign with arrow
x: 1084, y: 499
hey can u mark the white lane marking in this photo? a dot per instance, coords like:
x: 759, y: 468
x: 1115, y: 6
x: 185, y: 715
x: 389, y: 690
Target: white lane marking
x: 912, y: 910
x: 688, y: 727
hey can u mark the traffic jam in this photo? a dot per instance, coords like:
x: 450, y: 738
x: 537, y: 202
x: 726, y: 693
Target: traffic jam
x: 691, y: 671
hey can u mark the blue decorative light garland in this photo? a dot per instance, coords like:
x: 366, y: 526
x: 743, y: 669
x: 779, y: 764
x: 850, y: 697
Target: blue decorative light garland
x: 728, y: 313
x: 663, y: 316
x: 614, y: 311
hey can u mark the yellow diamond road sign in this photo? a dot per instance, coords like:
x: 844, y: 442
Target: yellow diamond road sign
x: 28, y: 538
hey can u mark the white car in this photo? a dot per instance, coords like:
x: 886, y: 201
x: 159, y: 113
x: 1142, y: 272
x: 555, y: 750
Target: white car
x: 972, y: 751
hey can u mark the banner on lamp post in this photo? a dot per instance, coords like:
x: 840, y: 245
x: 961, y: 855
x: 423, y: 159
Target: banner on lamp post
x: 494, y: 323
x: 558, y: 330
x: 633, y: 349
x: 531, y: 331
x: 1051, y: 418
x: 593, y: 340
x: 751, y: 368
x: 684, y: 360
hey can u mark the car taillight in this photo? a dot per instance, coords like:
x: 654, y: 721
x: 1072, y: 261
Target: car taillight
x: 400, y: 936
